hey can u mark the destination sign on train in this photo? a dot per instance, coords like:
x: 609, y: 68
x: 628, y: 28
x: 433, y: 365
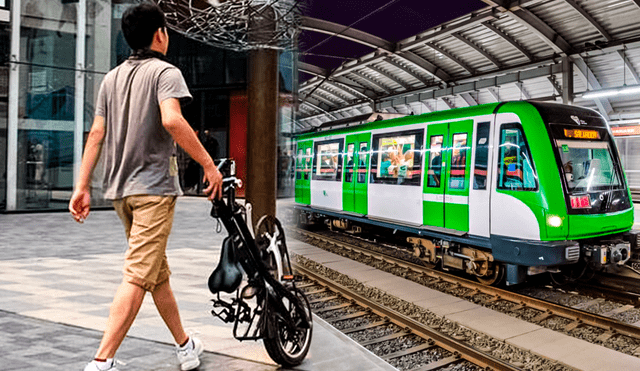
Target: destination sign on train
x: 581, y: 134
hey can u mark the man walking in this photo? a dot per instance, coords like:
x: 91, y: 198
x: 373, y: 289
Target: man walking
x: 138, y: 120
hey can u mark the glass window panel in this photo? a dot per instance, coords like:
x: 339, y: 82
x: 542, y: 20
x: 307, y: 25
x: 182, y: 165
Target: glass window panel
x: 458, y: 168
x: 363, y: 152
x: 482, y: 156
x: 435, y: 161
x: 348, y: 176
x: 328, y: 162
x: 515, y: 168
x: 397, y: 158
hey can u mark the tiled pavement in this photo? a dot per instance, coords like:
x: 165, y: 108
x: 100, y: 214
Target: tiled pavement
x: 57, y: 280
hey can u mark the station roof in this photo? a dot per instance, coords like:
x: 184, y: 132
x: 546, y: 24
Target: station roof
x: 401, y: 56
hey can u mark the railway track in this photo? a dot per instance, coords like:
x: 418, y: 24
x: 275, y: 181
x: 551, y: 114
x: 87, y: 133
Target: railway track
x: 451, y: 352
x: 573, y: 320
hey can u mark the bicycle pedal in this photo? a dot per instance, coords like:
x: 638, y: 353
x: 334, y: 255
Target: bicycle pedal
x: 225, y: 315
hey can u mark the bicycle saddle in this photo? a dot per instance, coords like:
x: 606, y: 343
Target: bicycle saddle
x: 227, y: 275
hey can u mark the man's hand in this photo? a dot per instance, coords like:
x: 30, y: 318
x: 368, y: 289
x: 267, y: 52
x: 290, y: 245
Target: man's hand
x: 214, y: 179
x: 80, y: 204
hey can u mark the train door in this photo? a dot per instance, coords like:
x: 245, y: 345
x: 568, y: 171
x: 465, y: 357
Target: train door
x: 435, y: 178
x: 356, y: 174
x: 446, y: 186
x: 303, y: 172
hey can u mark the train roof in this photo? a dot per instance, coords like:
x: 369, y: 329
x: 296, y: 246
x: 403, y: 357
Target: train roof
x: 548, y: 111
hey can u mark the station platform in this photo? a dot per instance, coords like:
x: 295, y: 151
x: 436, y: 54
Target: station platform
x: 57, y: 280
x: 544, y: 342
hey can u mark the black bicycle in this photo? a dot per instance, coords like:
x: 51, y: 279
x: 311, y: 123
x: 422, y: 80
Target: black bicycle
x: 269, y: 306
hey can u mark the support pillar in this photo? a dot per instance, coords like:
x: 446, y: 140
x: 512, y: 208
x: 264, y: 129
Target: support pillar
x: 14, y: 94
x: 567, y: 80
x: 262, y: 127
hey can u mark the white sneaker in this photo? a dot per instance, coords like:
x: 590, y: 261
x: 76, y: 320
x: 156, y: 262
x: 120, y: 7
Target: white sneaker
x: 189, y: 357
x: 93, y: 366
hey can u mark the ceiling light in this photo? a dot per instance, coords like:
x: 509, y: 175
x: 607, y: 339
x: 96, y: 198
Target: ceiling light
x: 625, y: 90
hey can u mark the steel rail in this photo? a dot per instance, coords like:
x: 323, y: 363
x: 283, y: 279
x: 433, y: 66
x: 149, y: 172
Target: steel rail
x: 457, y: 348
x: 577, y: 316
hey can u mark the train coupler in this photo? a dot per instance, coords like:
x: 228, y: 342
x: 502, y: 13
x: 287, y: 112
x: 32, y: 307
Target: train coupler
x: 603, y: 255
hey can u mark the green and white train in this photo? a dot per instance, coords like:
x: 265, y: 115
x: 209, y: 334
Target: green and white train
x: 518, y: 188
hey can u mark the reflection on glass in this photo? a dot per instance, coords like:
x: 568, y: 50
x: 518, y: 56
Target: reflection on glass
x: 515, y: 170
x: 327, y: 161
x: 363, y: 152
x: 458, y: 161
x: 46, y: 121
x: 348, y: 176
x: 588, y: 165
x: 395, y: 157
x: 435, y: 161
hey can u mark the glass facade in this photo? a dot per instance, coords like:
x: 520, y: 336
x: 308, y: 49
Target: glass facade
x: 57, y: 55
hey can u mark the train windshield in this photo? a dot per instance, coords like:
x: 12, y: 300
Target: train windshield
x: 588, y: 163
x: 588, y: 166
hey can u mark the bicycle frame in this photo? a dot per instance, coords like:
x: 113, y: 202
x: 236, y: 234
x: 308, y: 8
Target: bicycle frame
x: 249, y: 258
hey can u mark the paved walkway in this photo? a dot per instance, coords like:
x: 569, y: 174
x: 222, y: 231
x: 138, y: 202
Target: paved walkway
x: 57, y: 280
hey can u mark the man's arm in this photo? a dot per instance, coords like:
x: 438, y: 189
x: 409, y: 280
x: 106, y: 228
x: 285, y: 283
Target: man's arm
x: 183, y: 134
x: 80, y: 203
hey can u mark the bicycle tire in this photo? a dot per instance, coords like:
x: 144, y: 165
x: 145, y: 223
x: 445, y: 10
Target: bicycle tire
x: 277, y: 341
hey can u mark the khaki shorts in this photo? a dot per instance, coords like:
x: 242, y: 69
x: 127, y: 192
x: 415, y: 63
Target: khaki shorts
x: 147, y: 222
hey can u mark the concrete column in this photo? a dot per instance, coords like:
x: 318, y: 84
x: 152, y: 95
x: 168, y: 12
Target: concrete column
x: 262, y: 125
x: 567, y: 80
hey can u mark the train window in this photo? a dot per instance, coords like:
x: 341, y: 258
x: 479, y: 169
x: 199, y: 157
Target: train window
x: 327, y: 164
x: 458, y: 169
x: 363, y: 152
x: 348, y: 175
x: 435, y: 161
x: 482, y: 156
x: 397, y: 158
x: 515, y: 168
x: 299, y: 164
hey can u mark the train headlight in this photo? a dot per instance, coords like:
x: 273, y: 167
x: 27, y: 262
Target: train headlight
x: 554, y: 221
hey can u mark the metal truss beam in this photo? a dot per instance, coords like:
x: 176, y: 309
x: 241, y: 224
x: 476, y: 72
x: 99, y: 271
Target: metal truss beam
x: 371, y: 81
x: 471, y: 101
x: 492, y: 82
x: 312, y: 69
x: 475, y: 47
x: 495, y: 93
x: 589, y: 19
x: 372, y: 41
x: 324, y: 89
x: 509, y: 39
x: 448, y: 102
x: 424, y: 64
x: 346, y: 32
x: 543, y: 30
x: 452, y: 57
x: 358, y: 106
x: 629, y: 66
x: 523, y: 92
x: 554, y: 83
x: 390, y: 76
x: 445, y: 30
x: 589, y: 78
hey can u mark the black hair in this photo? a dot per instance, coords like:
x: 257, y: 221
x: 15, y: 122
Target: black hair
x: 140, y: 23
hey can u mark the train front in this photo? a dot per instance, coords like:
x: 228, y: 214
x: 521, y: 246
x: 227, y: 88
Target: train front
x: 598, y: 202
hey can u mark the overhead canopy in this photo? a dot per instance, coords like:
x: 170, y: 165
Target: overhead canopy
x: 500, y: 50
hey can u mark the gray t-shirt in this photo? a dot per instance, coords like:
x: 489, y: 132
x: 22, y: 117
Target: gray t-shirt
x: 139, y: 153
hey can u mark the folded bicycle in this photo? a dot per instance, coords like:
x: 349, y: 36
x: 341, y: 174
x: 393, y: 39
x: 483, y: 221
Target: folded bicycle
x: 269, y: 306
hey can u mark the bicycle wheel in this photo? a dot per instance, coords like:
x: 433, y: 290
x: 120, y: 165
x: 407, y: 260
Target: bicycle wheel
x: 271, y: 243
x: 289, y: 346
